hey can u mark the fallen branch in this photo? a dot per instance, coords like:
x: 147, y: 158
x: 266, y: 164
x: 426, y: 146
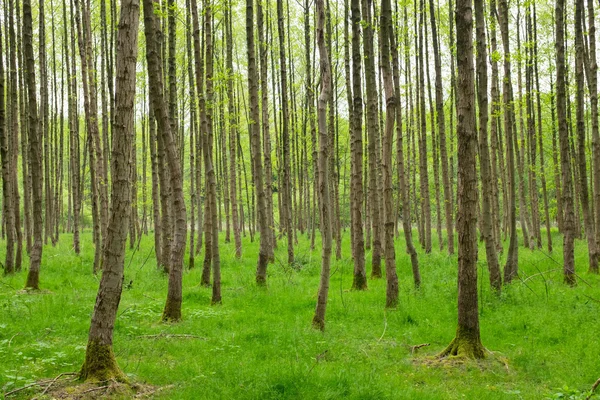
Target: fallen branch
x: 57, y: 378
x: 171, y: 336
x: 13, y: 336
x: 416, y: 347
x: 152, y: 392
x: 384, y: 327
x: 50, y: 382
x: 594, y: 386
x: 95, y: 389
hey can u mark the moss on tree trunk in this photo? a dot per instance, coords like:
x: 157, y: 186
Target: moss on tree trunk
x: 100, y: 364
x: 466, y: 344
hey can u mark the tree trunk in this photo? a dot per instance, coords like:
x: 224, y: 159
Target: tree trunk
x: 391, y: 298
x: 356, y: 145
x: 263, y: 253
x: 318, y: 321
x: 172, y: 310
x: 373, y: 134
x: 565, y: 161
x: 35, y: 151
x: 593, y: 89
x: 511, y: 268
x: 100, y: 364
x: 467, y: 342
x: 484, y: 158
x: 588, y: 218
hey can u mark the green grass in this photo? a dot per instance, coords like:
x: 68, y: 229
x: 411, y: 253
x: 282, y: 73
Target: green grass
x: 259, y: 344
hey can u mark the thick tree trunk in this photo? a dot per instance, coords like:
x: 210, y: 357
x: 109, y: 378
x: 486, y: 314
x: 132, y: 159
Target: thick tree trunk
x: 467, y: 342
x: 100, y: 364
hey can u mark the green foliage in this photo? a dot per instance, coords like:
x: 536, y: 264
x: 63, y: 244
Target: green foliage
x: 259, y: 344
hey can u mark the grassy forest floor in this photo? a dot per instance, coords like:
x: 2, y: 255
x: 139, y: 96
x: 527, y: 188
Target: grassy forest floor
x: 259, y: 344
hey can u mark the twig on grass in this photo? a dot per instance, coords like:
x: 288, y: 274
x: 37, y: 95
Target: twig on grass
x: 171, y: 336
x: 594, y: 386
x: 55, y: 379
x: 416, y: 347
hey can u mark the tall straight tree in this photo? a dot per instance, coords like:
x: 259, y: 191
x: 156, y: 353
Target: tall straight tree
x: 100, y: 363
x: 209, y: 165
x: 266, y: 132
x: 441, y: 127
x: 263, y: 252
x: 373, y: 135
x: 588, y: 217
x: 484, y: 156
x: 391, y: 298
x: 286, y: 195
x: 563, y: 137
x: 318, y: 321
x: 467, y: 342
x: 511, y: 268
x: 401, y: 170
x: 423, y: 167
x: 35, y: 151
x: 232, y: 133
x: 172, y: 310
x: 356, y: 148
x: 593, y: 89
x: 7, y: 205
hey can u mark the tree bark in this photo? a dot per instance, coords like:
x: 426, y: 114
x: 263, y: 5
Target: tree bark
x: 263, y: 253
x: 172, y: 310
x: 100, y: 364
x: 565, y: 161
x: 35, y: 151
x: 467, y: 342
x: 318, y: 321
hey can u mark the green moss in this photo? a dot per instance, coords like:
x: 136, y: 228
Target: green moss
x: 465, y: 344
x: 100, y: 364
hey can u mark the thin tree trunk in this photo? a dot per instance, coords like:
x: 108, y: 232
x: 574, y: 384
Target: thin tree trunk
x: 563, y: 136
x: 588, y: 217
x: 391, y: 297
x: 172, y: 310
x: 35, y: 151
x: 484, y: 158
x: 318, y: 321
x: 263, y: 253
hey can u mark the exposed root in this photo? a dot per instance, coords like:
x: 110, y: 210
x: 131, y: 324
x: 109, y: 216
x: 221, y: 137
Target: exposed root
x: 465, y: 347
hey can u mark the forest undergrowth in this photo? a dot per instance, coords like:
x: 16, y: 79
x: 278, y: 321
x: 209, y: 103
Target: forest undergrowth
x: 259, y: 343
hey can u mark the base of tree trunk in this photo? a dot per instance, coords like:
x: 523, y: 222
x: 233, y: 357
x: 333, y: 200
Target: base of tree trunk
x: 464, y: 345
x: 570, y: 279
x: 171, y: 313
x: 360, y: 282
x: 33, y: 280
x: 318, y: 323
x: 100, y: 364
